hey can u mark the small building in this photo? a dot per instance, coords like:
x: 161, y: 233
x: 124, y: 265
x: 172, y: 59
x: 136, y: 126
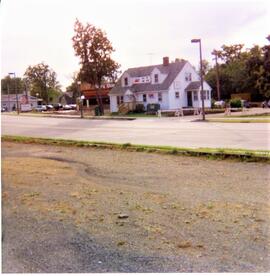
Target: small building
x: 172, y: 85
x: 10, y: 101
x: 90, y: 93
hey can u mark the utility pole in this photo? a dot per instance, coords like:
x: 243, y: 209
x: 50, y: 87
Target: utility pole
x: 215, y: 53
x: 8, y: 96
x: 17, y: 99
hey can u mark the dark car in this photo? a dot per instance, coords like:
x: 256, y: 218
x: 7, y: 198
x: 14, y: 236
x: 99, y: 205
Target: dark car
x: 49, y: 107
x: 57, y: 106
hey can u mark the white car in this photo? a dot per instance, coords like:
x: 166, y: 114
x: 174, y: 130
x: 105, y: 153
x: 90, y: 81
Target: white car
x: 67, y: 107
x: 219, y: 104
x: 41, y: 108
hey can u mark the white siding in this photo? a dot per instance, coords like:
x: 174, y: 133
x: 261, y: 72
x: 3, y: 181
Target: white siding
x: 161, y: 77
x: 113, y: 104
x: 180, y: 83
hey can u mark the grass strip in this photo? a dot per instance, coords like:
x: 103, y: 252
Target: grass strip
x: 240, y: 120
x: 210, y: 153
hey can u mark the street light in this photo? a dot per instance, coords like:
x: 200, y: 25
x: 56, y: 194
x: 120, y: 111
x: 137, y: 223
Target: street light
x: 17, y: 100
x: 81, y: 98
x: 197, y: 40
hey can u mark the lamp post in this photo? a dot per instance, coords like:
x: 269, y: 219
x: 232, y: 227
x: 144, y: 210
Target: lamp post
x: 215, y: 53
x: 198, y: 40
x: 81, y: 98
x: 17, y: 100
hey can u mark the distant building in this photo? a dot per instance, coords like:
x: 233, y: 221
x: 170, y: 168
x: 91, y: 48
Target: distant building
x: 10, y: 101
x: 67, y: 98
x: 172, y: 85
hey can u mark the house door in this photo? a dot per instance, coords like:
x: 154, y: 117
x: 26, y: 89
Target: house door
x: 189, y: 98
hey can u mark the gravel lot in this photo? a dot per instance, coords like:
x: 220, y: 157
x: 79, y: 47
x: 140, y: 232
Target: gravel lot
x: 63, y: 208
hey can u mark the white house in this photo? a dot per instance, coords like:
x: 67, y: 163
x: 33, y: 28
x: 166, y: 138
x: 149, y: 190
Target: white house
x: 173, y: 85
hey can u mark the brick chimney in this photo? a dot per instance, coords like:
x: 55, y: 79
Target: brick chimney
x: 165, y: 61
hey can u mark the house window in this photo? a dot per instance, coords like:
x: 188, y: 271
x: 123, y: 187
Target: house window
x: 160, y: 97
x: 177, y: 95
x: 188, y: 77
x: 195, y: 95
x: 156, y: 78
x: 126, y: 81
x: 144, y: 98
x: 120, y: 99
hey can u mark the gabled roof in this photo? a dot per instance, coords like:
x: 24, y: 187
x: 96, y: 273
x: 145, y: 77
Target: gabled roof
x: 194, y: 85
x: 171, y: 70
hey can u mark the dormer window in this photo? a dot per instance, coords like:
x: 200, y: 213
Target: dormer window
x: 156, y: 78
x: 188, y: 77
x: 126, y: 81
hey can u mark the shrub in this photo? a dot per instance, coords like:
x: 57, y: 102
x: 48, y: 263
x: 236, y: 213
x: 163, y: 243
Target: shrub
x: 139, y: 108
x: 236, y: 102
x: 153, y: 107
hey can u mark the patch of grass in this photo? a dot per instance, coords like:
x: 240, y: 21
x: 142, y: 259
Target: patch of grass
x: 235, y: 120
x: 211, y: 153
x: 265, y: 115
x: 32, y: 194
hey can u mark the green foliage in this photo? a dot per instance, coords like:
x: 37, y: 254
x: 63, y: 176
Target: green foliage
x: 42, y: 80
x: 11, y: 85
x: 139, y: 108
x: 94, y: 49
x: 241, y: 70
x: 236, y: 103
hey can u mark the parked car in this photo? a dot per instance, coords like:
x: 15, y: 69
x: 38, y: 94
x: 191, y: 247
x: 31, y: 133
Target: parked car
x: 219, y: 104
x: 49, y: 107
x: 57, y: 106
x: 265, y: 104
x: 40, y: 108
x: 73, y: 106
x: 67, y: 107
x: 3, y: 109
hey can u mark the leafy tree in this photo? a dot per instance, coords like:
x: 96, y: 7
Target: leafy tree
x: 74, y: 88
x: 205, y: 67
x: 230, y: 53
x: 13, y: 85
x: 263, y: 73
x: 42, y: 80
x: 239, y: 71
x: 94, y: 49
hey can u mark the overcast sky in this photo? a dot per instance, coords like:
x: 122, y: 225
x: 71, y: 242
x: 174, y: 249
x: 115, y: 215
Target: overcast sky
x: 141, y: 31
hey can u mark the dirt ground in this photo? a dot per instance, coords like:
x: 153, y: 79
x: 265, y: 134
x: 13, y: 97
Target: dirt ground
x: 93, y: 210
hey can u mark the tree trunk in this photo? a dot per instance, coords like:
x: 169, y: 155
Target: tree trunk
x: 100, y: 101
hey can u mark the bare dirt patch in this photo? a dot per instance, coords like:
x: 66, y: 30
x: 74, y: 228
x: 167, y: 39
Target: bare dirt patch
x: 150, y: 212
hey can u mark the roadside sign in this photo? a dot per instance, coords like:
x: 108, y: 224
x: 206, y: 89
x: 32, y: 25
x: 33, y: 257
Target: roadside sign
x: 26, y: 107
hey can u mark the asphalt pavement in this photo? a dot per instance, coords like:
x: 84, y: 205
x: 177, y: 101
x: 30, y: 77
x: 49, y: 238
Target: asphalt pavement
x: 180, y: 132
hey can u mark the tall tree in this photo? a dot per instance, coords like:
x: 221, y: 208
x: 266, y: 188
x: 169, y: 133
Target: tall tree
x: 12, y: 85
x: 42, y: 80
x: 74, y: 87
x: 94, y: 49
x: 239, y: 71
